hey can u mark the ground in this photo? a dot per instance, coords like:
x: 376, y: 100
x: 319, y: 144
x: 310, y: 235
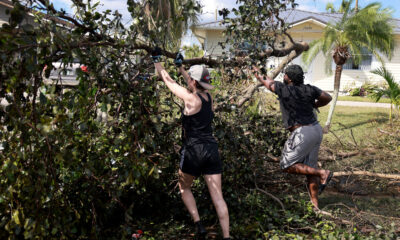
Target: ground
x: 361, y: 139
x: 373, y: 145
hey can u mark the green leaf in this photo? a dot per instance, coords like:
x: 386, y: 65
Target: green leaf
x: 151, y: 170
x: 42, y: 98
x: 104, y: 107
x: 15, y: 217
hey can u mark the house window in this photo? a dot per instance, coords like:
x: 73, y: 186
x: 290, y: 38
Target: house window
x: 245, y: 47
x: 365, y: 64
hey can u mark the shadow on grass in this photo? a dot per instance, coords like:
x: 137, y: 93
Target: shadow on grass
x: 379, y: 118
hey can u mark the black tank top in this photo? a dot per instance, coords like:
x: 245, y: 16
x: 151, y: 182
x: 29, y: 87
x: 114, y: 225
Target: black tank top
x: 197, y: 127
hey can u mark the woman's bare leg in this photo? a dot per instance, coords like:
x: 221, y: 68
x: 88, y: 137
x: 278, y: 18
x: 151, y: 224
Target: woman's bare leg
x: 185, y: 184
x: 215, y: 189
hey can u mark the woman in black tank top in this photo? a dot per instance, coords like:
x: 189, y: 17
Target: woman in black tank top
x: 199, y: 152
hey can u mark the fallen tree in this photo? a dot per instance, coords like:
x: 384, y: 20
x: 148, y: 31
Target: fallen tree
x: 66, y: 175
x: 366, y: 173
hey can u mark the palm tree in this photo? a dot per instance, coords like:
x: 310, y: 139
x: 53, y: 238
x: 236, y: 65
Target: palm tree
x: 193, y: 51
x: 331, y: 8
x: 392, y: 90
x: 369, y: 28
x: 173, y: 17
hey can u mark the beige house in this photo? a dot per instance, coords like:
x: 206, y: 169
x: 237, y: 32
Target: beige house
x: 308, y: 26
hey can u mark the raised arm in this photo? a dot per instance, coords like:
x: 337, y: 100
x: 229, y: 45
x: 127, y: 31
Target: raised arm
x: 265, y: 80
x: 175, y: 88
x: 184, y: 73
x: 178, y: 63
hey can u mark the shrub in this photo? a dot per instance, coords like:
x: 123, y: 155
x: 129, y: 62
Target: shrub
x: 363, y: 90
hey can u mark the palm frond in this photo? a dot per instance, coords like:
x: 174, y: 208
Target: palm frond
x: 393, y: 89
x: 330, y: 37
x: 346, y: 12
x: 314, y: 48
x: 330, y: 8
x: 378, y: 56
x: 328, y: 65
x: 356, y: 53
x: 372, y: 26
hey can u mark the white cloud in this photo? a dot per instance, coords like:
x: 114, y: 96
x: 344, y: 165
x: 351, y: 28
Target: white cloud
x: 309, y: 8
x: 210, y: 6
x: 314, y: 5
x: 66, y: 2
x: 114, y: 5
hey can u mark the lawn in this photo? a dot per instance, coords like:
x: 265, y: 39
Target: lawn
x: 362, y: 99
x: 363, y: 122
x: 373, y: 145
x: 359, y: 198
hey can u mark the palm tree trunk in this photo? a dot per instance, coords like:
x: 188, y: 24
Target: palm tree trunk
x: 356, y: 8
x: 338, y: 75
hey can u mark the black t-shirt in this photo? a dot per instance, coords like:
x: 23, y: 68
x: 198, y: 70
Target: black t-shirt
x: 297, y: 103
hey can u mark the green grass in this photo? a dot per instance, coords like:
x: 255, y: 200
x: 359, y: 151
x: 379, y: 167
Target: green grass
x: 359, y: 199
x: 363, y: 122
x: 362, y: 99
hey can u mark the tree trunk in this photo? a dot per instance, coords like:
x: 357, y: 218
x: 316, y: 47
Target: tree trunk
x: 356, y: 8
x: 338, y: 74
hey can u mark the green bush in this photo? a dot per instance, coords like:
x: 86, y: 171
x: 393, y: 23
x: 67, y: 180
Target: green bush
x: 364, y: 90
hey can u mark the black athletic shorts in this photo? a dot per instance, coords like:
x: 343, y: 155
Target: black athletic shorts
x: 200, y: 159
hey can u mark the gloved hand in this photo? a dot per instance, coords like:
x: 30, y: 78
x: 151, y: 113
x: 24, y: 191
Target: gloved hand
x: 156, y: 54
x: 263, y: 71
x: 178, y: 60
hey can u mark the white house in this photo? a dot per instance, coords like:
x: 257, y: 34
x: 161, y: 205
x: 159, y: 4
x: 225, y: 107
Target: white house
x: 4, y: 5
x: 7, y: 5
x: 66, y: 73
x: 308, y: 26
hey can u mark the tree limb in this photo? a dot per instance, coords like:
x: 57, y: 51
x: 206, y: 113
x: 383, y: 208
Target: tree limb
x: 366, y: 173
x: 271, y: 196
x: 297, y: 49
x: 291, y: 52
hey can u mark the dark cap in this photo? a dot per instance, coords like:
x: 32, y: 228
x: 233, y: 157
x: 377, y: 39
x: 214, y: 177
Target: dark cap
x: 295, y: 73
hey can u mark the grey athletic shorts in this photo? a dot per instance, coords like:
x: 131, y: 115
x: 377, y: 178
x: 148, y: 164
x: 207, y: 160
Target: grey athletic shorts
x: 302, y: 146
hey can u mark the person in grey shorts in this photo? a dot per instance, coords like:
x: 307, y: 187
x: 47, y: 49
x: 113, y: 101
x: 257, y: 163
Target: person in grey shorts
x: 297, y: 103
